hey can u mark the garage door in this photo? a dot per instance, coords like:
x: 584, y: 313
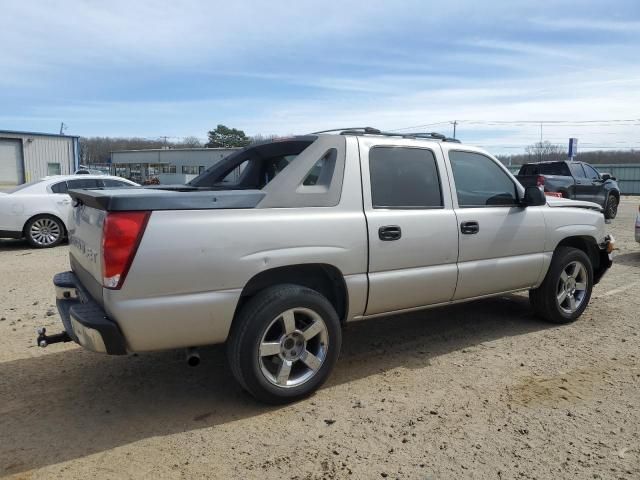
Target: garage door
x: 11, y: 166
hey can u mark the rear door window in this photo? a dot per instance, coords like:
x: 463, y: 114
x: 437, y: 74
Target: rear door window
x: 576, y: 170
x: 404, y: 178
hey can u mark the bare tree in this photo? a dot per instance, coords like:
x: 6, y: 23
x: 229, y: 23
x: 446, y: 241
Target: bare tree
x: 190, y: 142
x: 545, y: 151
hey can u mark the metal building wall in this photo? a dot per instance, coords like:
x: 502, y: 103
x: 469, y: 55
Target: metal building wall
x: 38, y: 150
x: 194, y: 157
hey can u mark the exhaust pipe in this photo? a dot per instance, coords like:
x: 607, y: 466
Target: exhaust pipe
x: 193, y: 357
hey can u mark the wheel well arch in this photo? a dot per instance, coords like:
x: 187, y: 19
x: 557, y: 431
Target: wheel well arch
x: 323, y: 278
x: 587, y: 244
x: 43, y: 215
x: 615, y: 193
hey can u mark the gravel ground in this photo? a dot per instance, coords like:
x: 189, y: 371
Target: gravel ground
x: 482, y: 390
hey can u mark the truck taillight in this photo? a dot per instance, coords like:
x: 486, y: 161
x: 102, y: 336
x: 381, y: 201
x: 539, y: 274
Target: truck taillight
x: 540, y: 181
x: 121, y: 235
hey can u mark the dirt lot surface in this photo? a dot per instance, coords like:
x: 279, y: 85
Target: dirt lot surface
x: 483, y: 390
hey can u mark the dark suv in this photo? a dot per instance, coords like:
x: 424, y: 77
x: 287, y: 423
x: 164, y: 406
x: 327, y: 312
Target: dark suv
x: 575, y: 180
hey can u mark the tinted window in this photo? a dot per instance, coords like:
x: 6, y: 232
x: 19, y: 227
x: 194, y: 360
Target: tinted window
x: 107, y: 182
x: 590, y: 171
x: 480, y: 181
x: 554, y: 169
x: 576, y: 170
x: 322, y: 172
x: 84, y: 183
x: 60, y: 187
x: 404, y: 178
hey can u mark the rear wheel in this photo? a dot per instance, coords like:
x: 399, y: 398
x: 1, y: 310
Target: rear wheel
x: 611, y: 208
x: 284, y: 343
x: 44, y: 231
x: 566, y: 290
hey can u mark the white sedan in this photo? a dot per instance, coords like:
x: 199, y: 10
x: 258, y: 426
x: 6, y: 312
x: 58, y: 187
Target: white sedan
x: 38, y: 211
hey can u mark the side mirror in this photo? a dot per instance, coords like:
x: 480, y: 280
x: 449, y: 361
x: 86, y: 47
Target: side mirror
x: 533, y: 197
x: 606, y: 176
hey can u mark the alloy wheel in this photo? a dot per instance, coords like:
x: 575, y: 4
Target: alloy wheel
x: 293, y: 347
x: 45, y: 231
x: 572, y: 287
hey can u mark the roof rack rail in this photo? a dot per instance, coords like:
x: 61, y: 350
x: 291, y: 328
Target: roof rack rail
x: 375, y: 131
x: 364, y: 129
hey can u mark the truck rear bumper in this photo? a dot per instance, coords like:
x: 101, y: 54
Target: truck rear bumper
x: 84, y: 320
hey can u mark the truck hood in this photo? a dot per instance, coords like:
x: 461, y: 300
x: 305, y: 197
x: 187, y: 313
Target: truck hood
x: 566, y: 202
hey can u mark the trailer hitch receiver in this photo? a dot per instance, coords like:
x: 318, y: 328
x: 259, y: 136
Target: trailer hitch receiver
x: 44, y: 340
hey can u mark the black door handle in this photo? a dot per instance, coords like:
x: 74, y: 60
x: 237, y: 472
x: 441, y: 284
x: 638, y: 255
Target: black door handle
x: 469, y: 228
x: 389, y: 233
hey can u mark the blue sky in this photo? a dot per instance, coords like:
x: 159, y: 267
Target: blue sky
x: 151, y: 69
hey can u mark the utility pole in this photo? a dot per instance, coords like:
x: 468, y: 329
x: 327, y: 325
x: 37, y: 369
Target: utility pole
x: 63, y: 127
x: 540, y: 146
x: 454, y: 123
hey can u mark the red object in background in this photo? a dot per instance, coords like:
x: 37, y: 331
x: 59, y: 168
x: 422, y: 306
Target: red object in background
x: 553, y: 194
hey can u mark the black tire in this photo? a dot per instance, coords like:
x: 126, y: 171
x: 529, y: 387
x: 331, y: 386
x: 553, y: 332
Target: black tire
x: 258, y: 318
x: 44, y: 231
x: 545, y: 298
x: 611, y: 207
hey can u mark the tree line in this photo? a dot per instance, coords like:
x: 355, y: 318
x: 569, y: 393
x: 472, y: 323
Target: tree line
x: 96, y: 150
x: 547, y: 151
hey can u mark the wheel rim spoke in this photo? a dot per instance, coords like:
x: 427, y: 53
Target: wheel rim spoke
x: 581, y: 286
x: 289, y: 321
x: 283, y: 372
x: 312, y: 330
x: 564, y: 277
x: 572, y: 302
x: 268, y: 349
x: 562, y: 297
x: 311, y: 361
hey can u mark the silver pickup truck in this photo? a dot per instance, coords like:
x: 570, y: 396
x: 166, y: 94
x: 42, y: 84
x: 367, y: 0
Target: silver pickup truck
x: 280, y: 244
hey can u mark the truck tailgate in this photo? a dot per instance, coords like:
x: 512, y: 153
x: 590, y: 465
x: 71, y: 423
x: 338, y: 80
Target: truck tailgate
x: 85, y: 243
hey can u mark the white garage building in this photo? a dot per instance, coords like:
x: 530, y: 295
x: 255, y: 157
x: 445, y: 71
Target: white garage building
x: 29, y: 156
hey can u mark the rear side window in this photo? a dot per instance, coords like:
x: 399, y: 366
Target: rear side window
x: 322, y: 172
x: 576, y: 170
x: 404, y: 178
x: 107, y: 182
x: 60, y: 187
x: 83, y: 183
x: 480, y: 181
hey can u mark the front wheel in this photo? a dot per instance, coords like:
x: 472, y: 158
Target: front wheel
x: 566, y: 290
x: 284, y: 343
x: 611, y: 208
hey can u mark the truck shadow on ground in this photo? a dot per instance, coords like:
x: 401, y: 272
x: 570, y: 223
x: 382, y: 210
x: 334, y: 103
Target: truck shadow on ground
x: 67, y: 405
